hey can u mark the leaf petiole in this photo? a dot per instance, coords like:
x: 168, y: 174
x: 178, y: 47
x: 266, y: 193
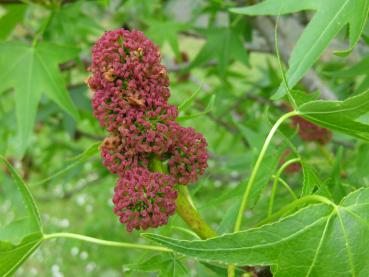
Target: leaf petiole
x: 275, y: 183
x: 251, y: 180
x: 106, y: 242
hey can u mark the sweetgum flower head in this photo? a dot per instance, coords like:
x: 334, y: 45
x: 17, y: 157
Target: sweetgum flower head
x: 148, y: 132
x: 310, y: 132
x: 188, y: 155
x: 144, y: 199
x: 130, y: 100
x: 127, y: 76
x: 118, y: 157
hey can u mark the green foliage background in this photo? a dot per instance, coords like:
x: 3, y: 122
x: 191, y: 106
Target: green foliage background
x: 47, y: 127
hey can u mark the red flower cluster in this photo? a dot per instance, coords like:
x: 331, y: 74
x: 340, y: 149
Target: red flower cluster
x: 144, y: 199
x: 130, y: 100
x: 311, y: 132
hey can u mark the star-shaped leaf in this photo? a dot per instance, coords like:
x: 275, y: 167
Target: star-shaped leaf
x: 72, y: 24
x: 24, y: 234
x: 331, y: 16
x: 166, y: 264
x: 13, y: 15
x: 223, y: 44
x: 319, y: 240
x: 32, y: 71
x: 339, y: 115
x: 358, y: 69
x: 166, y: 31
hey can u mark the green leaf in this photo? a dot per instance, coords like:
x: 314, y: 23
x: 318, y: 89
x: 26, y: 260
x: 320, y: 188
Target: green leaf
x: 229, y: 219
x: 311, y: 179
x: 32, y: 71
x: 208, y: 109
x: 170, y: 35
x: 73, y: 24
x: 339, y: 115
x: 302, y: 97
x: 253, y: 138
x: 352, y: 107
x: 188, y: 102
x: 14, y: 14
x: 12, y: 256
x: 331, y: 16
x: 222, y: 271
x: 81, y: 158
x: 358, y: 69
x: 21, y: 237
x: 223, y: 44
x: 318, y: 240
x: 166, y: 264
x: 28, y: 201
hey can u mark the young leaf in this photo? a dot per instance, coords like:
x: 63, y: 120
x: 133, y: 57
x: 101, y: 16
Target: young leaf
x: 166, y: 264
x: 229, y: 219
x: 29, y: 202
x: 361, y: 68
x: 221, y: 270
x: 72, y: 23
x: 339, y: 115
x: 20, y: 238
x: 14, y: 14
x: 188, y: 102
x: 333, y: 239
x: 32, y: 71
x: 207, y: 110
x: 86, y: 155
x: 172, y: 28
x: 331, y: 16
x: 12, y: 256
x: 224, y: 44
x: 311, y: 179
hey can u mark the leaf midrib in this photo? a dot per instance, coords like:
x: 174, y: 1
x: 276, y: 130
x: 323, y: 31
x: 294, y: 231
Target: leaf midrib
x: 347, y: 244
x: 341, y: 128
x: 320, y: 244
x: 356, y: 107
x: 307, y: 227
x: 318, y: 40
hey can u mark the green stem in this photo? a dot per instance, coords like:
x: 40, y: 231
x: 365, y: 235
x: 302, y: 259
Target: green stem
x: 185, y: 206
x: 231, y: 270
x: 106, y: 242
x: 250, y: 183
x: 275, y: 183
x: 284, y: 183
x: 191, y: 216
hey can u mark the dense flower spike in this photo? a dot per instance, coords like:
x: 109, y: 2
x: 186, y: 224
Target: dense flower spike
x: 118, y: 158
x: 144, y: 199
x: 127, y: 76
x: 188, y: 155
x: 311, y: 132
x: 130, y: 100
